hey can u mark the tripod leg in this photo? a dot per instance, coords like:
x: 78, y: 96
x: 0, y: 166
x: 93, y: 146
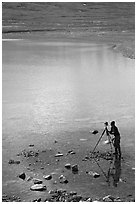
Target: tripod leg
x: 97, y: 143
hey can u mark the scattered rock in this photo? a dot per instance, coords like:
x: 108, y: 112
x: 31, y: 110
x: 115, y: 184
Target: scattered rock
x: 29, y: 178
x: 63, y: 179
x: 108, y: 198
x: 22, y: 176
x: 59, y: 155
x: 75, y: 168
x: 13, y: 198
x: 37, y: 181
x: 38, y: 187
x: 73, y: 193
x: 68, y: 166
x: 89, y: 200
x: 94, y: 174
x: 31, y: 145
x: 75, y: 198
x: 37, y: 200
x: 47, y: 177
x: 72, y: 152
x: 55, y: 141
x: 11, y: 161
x: 51, y: 192
x: 29, y: 153
x: 94, y: 132
x: 61, y: 191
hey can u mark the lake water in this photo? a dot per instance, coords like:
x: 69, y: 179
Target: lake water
x: 52, y: 87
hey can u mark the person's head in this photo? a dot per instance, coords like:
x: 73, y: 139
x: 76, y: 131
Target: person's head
x: 112, y: 123
x: 106, y: 123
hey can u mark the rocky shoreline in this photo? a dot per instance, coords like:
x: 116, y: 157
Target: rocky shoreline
x: 40, y: 161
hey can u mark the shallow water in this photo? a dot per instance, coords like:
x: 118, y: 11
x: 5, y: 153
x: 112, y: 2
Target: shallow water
x: 53, y: 87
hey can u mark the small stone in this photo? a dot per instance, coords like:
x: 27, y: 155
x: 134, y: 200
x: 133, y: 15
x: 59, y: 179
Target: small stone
x: 11, y: 161
x: 59, y: 155
x: 31, y: 145
x: 42, y: 167
x: 60, y: 191
x: 37, y: 181
x: 73, y: 193
x: 22, y: 176
x: 63, y: 179
x: 39, y: 200
x: 75, y: 168
x: 55, y: 182
x: 94, y: 174
x: 72, y: 152
x: 94, y: 132
x: 75, y: 198
x: 55, y: 141
x: 108, y: 198
x: 47, y: 177
x: 38, y: 187
x: 89, y: 200
x: 51, y: 192
x: 29, y: 178
x: 68, y: 166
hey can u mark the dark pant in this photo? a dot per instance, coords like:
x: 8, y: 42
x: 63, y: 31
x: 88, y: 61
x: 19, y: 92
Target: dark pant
x: 117, y: 146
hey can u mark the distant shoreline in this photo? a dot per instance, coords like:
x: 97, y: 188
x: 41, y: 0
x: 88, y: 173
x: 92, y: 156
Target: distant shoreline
x: 121, y: 42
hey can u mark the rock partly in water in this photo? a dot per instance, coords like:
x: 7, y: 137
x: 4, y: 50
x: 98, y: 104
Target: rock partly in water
x: 22, y: 176
x: 38, y: 187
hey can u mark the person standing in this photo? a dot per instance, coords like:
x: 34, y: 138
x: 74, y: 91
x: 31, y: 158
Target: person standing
x: 116, y: 140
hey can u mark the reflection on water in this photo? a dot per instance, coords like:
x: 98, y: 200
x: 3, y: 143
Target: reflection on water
x: 49, y: 87
x: 114, y: 170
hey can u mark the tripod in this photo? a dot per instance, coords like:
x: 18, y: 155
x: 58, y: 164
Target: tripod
x: 109, y: 139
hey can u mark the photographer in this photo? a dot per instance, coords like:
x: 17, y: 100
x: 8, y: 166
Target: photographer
x: 116, y: 140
